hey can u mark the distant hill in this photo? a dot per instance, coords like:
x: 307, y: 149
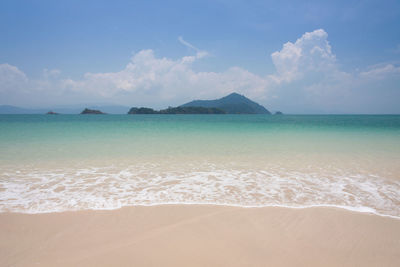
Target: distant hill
x: 72, y: 109
x: 6, y: 109
x: 231, y: 104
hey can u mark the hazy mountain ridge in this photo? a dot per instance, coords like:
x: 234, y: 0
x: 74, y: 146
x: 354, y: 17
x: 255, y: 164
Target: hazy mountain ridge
x: 75, y: 109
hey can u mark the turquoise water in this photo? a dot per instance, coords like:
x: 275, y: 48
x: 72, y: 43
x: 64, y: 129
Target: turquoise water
x: 71, y: 162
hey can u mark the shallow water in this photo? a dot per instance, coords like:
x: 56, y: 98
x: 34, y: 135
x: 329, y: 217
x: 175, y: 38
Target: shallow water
x: 72, y: 162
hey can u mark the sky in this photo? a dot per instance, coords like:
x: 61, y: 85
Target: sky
x: 293, y: 56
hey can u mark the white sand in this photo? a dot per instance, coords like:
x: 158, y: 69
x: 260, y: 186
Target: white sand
x: 200, y: 236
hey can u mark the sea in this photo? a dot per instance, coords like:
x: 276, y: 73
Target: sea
x: 56, y: 163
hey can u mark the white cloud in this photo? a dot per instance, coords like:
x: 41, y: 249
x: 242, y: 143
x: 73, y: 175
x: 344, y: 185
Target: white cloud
x: 185, y: 43
x: 310, y: 53
x: 165, y: 79
x: 307, y: 79
x: 381, y: 72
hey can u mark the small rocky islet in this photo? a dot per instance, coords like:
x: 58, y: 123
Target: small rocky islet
x: 91, y: 111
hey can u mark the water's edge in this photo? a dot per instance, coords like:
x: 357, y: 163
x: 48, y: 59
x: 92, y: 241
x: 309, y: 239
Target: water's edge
x: 363, y: 210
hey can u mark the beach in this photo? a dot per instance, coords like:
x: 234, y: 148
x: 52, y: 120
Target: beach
x: 197, y: 235
x: 199, y: 133
x: 218, y: 190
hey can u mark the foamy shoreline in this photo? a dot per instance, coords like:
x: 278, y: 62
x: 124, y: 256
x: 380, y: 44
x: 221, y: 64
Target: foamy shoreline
x: 35, y: 191
x: 363, y: 210
x: 199, y: 235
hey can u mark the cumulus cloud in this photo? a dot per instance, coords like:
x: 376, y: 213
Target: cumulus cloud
x: 161, y: 79
x: 307, y: 79
x: 310, y: 53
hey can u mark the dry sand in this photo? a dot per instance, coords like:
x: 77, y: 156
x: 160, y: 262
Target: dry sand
x: 175, y: 235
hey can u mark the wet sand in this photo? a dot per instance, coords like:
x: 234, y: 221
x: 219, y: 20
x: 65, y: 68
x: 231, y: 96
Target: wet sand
x: 176, y: 235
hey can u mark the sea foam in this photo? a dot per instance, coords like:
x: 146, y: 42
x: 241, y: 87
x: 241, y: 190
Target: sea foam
x: 56, y: 190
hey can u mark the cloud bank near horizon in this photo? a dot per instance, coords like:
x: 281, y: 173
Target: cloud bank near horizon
x: 307, y: 79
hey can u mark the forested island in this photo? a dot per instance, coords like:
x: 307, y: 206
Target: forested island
x: 230, y: 104
x: 91, y: 111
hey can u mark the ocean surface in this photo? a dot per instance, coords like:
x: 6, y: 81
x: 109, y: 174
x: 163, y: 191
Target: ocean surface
x: 52, y: 163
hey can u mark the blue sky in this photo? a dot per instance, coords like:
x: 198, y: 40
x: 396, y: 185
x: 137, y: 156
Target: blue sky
x: 69, y: 52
